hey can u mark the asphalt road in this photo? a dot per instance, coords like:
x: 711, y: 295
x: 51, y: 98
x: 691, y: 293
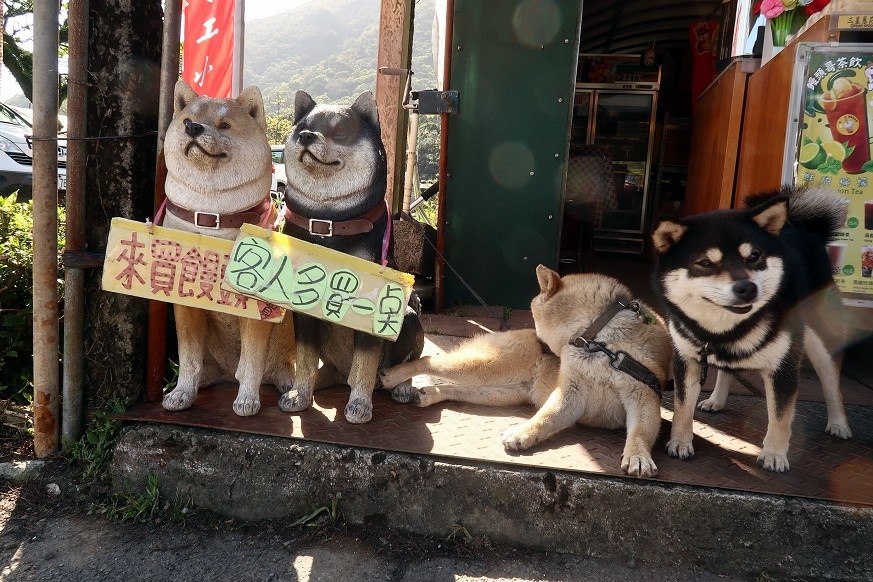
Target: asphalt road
x: 65, y: 535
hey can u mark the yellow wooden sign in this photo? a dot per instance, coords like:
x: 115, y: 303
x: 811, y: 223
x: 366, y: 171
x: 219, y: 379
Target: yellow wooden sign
x: 318, y: 281
x: 175, y: 266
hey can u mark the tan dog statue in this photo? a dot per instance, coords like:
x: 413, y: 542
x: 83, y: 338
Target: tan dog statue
x: 218, y: 177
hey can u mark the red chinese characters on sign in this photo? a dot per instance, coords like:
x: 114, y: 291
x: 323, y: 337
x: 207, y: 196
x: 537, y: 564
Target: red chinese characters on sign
x: 208, y: 56
x: 174, y: 270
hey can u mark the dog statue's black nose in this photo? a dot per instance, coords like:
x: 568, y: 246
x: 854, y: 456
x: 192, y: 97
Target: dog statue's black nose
x: 306, y: 137
x: 193, y: 128
x: 745, y: 290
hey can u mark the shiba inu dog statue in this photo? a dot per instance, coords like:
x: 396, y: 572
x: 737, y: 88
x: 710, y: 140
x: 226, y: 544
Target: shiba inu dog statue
x: 749, y: 289
x: 218, y: 177
x: 335, y: 197
x: 568, y: 380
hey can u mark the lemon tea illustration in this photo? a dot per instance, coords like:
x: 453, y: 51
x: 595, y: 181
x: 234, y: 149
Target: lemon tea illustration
x: 846, y: 110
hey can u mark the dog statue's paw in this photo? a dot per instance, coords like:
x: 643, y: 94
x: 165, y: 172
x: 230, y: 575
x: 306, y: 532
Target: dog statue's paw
x: 404, y: 393
x: 772, y: 461
x: 179, y: 399
x: 518, y: 438
x: 295, y: 401
x: 639, y: 466
x: 359, y: 410
x: 682, y: 450
x: 246, y: 406
x: 840, y: 430
x: 710, y: 405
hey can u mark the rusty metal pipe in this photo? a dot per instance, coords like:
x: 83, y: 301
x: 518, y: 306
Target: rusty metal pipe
x: 440, y: 267
x: 46, y: 393
x: 74, y: 278
x: 157, y: 331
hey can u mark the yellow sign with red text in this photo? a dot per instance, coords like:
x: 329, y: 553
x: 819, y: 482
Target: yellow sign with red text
x: 171, y: 265
x: 258, y: 276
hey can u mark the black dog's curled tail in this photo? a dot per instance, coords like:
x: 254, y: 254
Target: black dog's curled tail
x: 814, y: 210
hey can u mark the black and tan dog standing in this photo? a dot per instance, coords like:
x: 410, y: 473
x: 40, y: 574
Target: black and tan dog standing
x: 335, y: 197
x: 752, y: 289
x: 218, y: 177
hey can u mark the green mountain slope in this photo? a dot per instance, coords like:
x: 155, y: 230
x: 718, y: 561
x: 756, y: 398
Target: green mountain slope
x: 327, y: 48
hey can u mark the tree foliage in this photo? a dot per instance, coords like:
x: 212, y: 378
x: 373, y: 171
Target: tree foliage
x: 18, y: 32
x: 328, y: 48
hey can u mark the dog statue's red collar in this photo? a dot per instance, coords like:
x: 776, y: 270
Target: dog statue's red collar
x: 320, y: 227
x: 259, y: 215
x: 361, y: 225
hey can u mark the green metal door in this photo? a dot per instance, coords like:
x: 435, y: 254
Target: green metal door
x: 514, y: 66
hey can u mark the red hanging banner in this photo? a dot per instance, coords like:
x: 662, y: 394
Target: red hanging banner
x: 208, y: 56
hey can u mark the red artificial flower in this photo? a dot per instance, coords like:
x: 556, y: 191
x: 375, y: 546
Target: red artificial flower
x: 815, y: 6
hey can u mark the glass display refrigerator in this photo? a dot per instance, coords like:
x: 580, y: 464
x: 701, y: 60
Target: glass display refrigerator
x: 613, y: 124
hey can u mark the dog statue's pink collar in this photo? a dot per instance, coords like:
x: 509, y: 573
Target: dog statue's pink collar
x: 361, y: 225
x: 259, y: 215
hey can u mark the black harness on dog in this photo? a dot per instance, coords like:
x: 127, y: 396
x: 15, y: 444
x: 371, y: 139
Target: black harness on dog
x: 620, y: 360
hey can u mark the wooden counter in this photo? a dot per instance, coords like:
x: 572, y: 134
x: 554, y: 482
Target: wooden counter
x: 718, y: 116
x: 768, y: 96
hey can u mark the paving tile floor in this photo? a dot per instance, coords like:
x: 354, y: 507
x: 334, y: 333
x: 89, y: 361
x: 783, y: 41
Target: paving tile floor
x: 726, y: 443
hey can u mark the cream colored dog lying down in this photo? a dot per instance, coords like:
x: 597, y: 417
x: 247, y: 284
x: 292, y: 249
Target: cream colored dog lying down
x: 576, y: 385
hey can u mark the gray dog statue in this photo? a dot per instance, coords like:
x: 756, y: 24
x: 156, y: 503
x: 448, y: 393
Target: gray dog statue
x: 335, y: 197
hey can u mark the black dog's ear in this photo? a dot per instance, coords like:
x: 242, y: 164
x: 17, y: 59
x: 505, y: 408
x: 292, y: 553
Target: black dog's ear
x: 549, y: 280
x: 667, y: 234
x: 365, y: 105
x: 772, y: 216
x: 183, y: 94
x: 303, y: 104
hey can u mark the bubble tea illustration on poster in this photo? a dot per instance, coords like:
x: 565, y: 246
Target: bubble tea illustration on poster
x: 835, y: 152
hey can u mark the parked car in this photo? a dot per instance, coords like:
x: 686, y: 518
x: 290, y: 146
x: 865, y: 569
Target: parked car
x: 279, y: 167
x: 16, y: 155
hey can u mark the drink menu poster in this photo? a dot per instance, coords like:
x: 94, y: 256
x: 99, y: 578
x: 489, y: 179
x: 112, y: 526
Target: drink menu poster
x: 835, y: 152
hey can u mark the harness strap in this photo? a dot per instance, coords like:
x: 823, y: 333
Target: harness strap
x: 581, y: 340
x: 621, y: 360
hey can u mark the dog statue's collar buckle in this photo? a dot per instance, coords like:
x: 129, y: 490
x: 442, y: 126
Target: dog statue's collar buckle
x: 214, y: 216
x: 320, y: 227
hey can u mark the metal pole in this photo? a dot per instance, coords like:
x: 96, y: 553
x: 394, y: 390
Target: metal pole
x: 74, y: 278
x: 169, y: 66
x: 157, y: 332
x: 440, y: 266
x: 45, y: 228
x: 239, y: 35
x: 411, y: 160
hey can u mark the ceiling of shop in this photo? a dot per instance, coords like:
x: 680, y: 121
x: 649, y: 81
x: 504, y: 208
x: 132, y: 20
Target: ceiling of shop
x: 631, y: 26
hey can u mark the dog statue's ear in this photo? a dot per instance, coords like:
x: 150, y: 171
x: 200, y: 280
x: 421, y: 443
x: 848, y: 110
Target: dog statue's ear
x: 772, y: 217
x: 549, y: 280
x: 365, y: 105
x: 253, y: 103
x: 183, y: 94
x: 667, y: 234
x: 303, y: 104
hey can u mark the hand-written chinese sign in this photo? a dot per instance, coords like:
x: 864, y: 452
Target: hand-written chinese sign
x: 318, y: 281
x: 177, y: 267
